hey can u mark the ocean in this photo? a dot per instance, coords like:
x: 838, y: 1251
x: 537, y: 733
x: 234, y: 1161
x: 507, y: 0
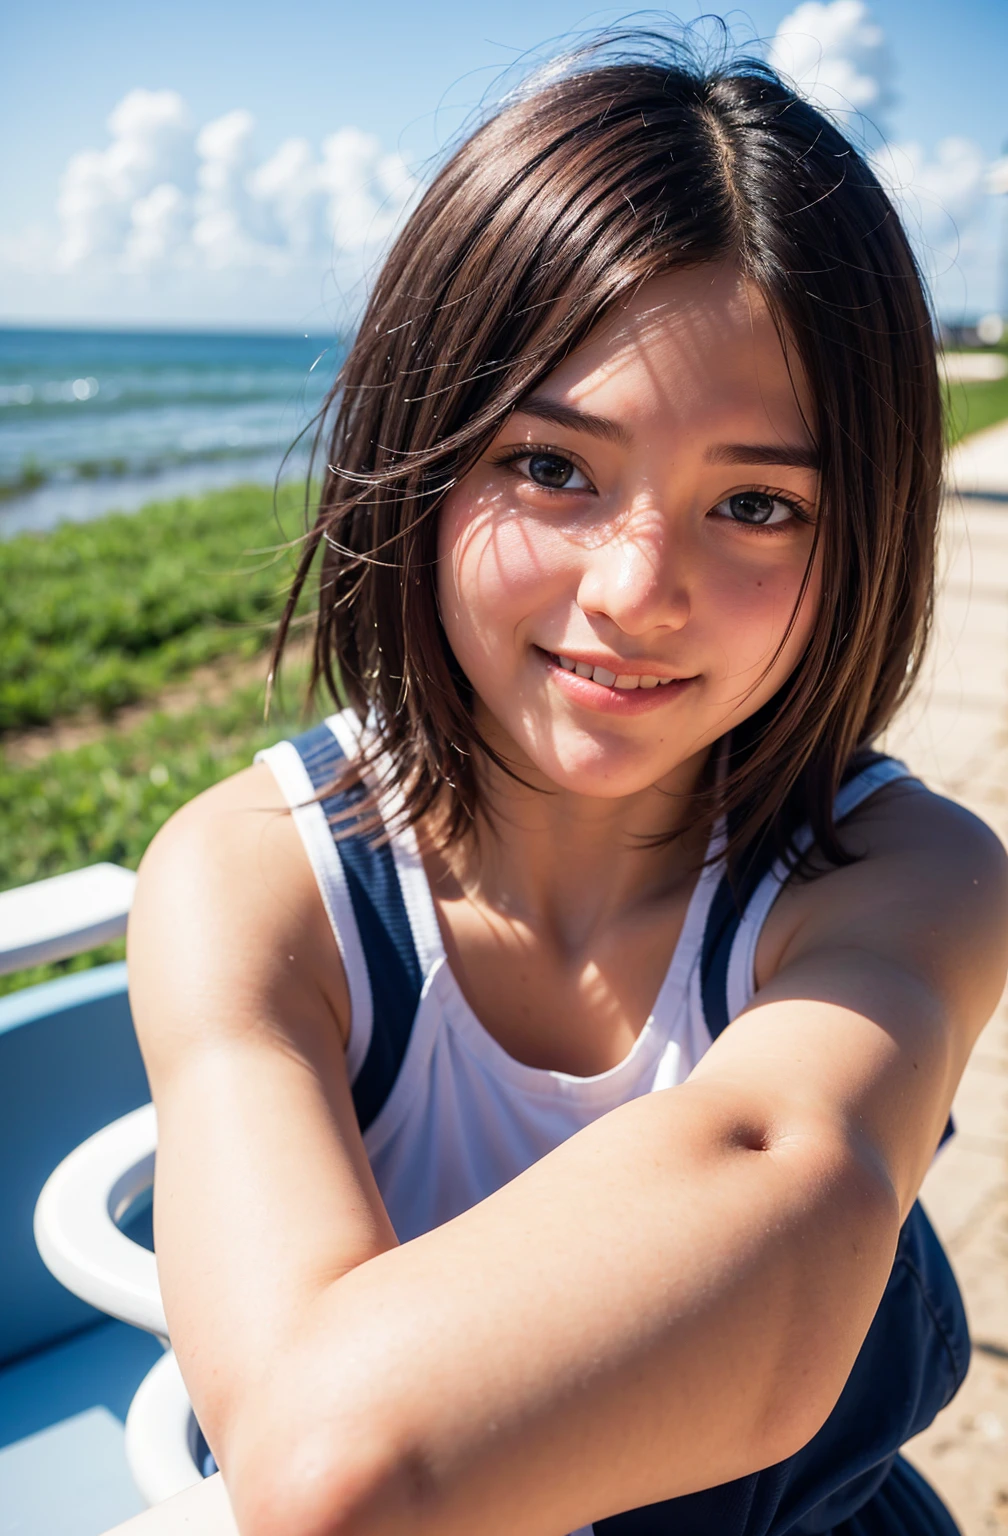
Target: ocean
x: 92, y: 421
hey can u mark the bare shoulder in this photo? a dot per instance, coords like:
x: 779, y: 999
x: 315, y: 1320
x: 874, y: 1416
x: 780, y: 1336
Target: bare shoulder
x: 928, y: 889
x: 228, y: 927
x: 234, y: 843
x: 227, y: 823
x: 907, y: 822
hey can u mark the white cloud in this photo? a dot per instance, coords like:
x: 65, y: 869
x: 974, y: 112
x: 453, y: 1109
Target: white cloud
x: 366, y: 188
x: 838, y: 58
x: 285, y: 192
x: 941, y: 198
x: 938, y: 192
x: 160, y: 195
x: 997, y: 177
x: 150, y: 145
x: 222, y: 229
x: 175, y: 217
x: 158, y: 227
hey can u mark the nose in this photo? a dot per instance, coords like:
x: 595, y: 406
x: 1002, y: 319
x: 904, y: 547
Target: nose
x: 636, y: 575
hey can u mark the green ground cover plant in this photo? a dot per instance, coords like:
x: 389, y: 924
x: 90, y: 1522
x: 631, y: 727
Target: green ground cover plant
x: 101, y: 614
x: 972, y: 407
x: 106, y: 800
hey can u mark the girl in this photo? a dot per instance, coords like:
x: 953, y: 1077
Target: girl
x: 548, y: 1049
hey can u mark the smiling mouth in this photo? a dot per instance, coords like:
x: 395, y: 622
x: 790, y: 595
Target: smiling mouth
x: 625, y: 682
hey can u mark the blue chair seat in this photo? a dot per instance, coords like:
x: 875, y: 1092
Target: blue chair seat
x: 69, y: 1065
x: 63, y: 1466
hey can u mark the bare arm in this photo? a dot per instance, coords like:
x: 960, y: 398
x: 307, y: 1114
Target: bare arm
x: 696, y: 1270
x: 263, y: 1192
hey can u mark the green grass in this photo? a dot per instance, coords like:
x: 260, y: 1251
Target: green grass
x: 972, y: 407
x: 106, y: 800
x: 103, y: 614
x: 97, y: 615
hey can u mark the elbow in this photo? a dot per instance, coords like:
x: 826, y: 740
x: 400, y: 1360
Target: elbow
x: 339, y: 1478
x: 841, y: 1246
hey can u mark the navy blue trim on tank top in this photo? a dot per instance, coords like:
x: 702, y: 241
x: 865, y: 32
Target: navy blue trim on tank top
x: 723, y: 920
x: 724, y: 917
x: 393, y: 967
x: 728, y: 907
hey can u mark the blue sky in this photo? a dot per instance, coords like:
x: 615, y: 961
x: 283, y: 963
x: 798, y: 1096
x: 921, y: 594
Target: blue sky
x: 272, y: 75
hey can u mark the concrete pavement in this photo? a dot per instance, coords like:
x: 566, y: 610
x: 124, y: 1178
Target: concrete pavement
x: 954, y: 732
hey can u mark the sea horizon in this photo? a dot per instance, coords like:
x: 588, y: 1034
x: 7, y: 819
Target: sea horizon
x: 96, y: 419
x: 110, y: 328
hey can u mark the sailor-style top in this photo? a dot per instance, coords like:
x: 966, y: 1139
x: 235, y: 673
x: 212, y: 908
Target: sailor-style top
x: 448, y: 1117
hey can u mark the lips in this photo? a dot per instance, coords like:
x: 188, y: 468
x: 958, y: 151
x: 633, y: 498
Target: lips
x: 625, y: 682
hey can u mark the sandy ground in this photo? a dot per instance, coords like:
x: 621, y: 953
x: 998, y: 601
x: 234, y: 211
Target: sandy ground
x: 954, y: 732
x: 211, y: 684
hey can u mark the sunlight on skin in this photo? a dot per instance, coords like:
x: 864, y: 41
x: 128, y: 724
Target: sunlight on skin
x: 630, y: 567
x: 636, y: 564
x: 635, y: 557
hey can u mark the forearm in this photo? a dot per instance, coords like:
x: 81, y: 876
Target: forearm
x: 529, y: 1365
x: 247, y: 1227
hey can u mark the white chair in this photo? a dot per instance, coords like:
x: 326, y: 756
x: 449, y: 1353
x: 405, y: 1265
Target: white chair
x: 78, y: 1236
x: 69, y: 1064
x: 63, y: 916
x: 84, y: 1199
x: 162, y: 1437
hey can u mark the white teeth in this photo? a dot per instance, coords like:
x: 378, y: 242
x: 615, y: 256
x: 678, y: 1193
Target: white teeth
x: 607, y: 679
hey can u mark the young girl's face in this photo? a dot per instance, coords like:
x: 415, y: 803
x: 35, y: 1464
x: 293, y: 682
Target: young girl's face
x: 618, y: 572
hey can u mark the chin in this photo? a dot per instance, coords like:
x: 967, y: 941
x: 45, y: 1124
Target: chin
x: 605, y: 769
x: 605, y: 763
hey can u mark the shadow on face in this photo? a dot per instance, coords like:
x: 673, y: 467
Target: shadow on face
x: 648, y: 510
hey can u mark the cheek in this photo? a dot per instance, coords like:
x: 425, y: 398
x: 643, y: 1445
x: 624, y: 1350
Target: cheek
x: 808, y: 609
x: 752, y: 607
x: 495, y: 569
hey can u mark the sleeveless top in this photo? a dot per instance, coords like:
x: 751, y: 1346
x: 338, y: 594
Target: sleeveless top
x: 447, y: 1117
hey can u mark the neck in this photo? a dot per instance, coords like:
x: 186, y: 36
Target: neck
x: 568, y: 864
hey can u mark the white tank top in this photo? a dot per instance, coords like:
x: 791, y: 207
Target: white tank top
x: 447, y: 1115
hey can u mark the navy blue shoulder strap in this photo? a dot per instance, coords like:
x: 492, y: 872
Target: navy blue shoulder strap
x: 723, y: 919
x: 728, y: 907
x: 383, y: 924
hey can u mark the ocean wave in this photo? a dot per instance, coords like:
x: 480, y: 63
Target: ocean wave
x: 71, y: 394
x: 51, y: 392
x: 33, y: 475
x: 88, y: 418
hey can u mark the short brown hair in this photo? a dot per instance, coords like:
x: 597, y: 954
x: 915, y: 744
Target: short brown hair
x: 611, y: 172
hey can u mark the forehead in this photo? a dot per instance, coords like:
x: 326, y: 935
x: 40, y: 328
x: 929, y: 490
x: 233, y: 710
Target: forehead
x: 696, y: 350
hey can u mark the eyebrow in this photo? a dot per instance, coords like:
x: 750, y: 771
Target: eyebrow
x: 569, y: 416
x: 791, y: 455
